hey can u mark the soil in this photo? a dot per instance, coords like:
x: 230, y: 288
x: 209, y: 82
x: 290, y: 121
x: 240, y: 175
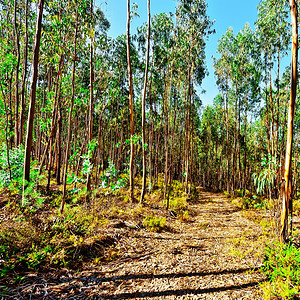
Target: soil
x: 216, y: 254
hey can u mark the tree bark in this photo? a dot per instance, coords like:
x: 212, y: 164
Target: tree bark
x: 28, y: 144
x: 17, y: 102
x: 91, y: 104
x: 286, y: 183
x: 70, y: 118
x: 131, y: 180
x: 24, y: 75
x: 144, y: 106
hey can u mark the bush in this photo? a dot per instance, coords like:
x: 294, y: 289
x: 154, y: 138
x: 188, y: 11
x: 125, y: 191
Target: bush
x: 154, y: 224
x: 249, y: 202
x: 111, y: 179
x: 39, y: 239
x: 282, y: 268
x: 193, y: 193
x: 14, y: 166
x: 179, y: 205
x: 226, y: 194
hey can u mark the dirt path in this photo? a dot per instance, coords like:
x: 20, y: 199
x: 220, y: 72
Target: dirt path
x: 210, y: 257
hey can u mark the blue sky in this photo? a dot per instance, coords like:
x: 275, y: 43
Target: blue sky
x: 226, y: 13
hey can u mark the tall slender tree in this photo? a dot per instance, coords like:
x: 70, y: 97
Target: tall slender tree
x: 31, y: 113
x: 144, y: 103
x: 70, y: 115
x: 130, y: 80
x: 287, y: 204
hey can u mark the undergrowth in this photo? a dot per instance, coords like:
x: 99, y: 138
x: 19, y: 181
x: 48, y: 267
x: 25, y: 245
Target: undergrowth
x: 282, y: 269
x: 32, y: 241
x: 34, y: 236
x: 154, y: 223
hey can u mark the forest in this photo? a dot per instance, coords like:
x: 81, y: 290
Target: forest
x: 110, y: 161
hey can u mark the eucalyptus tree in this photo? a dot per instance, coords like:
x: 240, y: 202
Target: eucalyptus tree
x: 9, y: 63
x: 163, y: 66
x: 210, y: 136
x: 144, y: 104
x: 130, y: 80
x: 17, y: 47
x: 31, y: 113
x: 7, y: 66
x: 194, y: 26
x: 24, y: 70
x: 55, y: 57
x: 238, y: 76
x: 287, y: 204
x: 76, y: 13
x: 222, y: 66
x: 97, y: 27
x: 16, y: 17
x: 162, y: 29
x: 272, y: 29
x: 249, y: 79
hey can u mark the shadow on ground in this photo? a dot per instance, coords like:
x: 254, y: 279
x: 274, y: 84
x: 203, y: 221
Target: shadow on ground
x: 175, y: 275
x: 180, y: 292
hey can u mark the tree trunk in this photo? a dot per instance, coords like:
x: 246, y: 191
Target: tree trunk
x: 70, y: 119
x: 91, y: 105
x: 286, y: 182
x: 24, y: 75
x: 17, y: 102
x: 151, y: 129
x: 144, y: 106
x: 28, y: 144
x: 58, y: 143
x: 131, y: 181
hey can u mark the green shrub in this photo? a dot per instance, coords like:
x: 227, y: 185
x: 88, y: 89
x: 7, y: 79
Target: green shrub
x: 179, y: 205
x: 249, y: 202
x: 238, y: 193
x: 154, y: 224
x: 13, y: 166
x: 111, y: 178
x: 226, y: 194
x: 193, y: 193
x: 282, y: 268
x: 34, y: 241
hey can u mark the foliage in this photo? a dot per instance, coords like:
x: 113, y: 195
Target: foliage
x: 154, y: 223
x: 14, y: 165
x: 15, y: 168
x: 179, y: 205
x: 282, y: 268
x: 266, y: 178
x: 249, y: 202
x: 217, y: 147
x: 111, y: 179
x: 33, y: 239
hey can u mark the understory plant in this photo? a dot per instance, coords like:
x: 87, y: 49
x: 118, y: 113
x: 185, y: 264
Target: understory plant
x: 265, y: 180
x: 41, y: 240
x: 154, y: 223
x: 111, y: 178
x: 11, y: 166
x: 11, y: 176
x: 282, y: 268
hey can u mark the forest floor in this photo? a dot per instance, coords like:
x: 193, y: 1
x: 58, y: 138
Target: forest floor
x: 215, y: 254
